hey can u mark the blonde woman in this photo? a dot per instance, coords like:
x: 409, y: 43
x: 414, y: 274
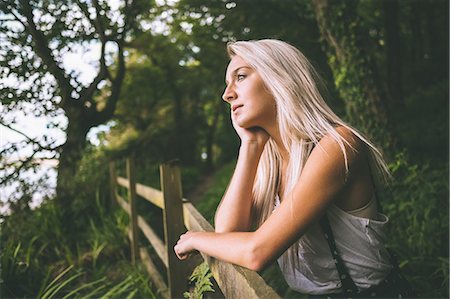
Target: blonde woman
x: 302, y: 191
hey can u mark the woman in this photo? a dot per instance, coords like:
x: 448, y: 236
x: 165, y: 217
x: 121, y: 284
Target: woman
x: 300, y: 169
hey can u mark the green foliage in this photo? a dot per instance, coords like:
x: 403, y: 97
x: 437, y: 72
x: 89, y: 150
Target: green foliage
x: 424, y: 129
x: 72, y: 285
x: 202, y: 283
x: 210, y: 200
x: 190, y: 177
x: 37, y: 261
x: 418, y: 209
x: 345, y: 44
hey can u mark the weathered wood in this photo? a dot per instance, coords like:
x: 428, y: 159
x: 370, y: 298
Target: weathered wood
x: 122, y: 202
x: 149, y: 233
x: 150, y: 194
x: 133, y: 213
x: 173, y: 228
x: 238, y: 282
x: 234, y: 281
x: 123, y: 182
x: 155, y: 241
x: 155, y: 276
x: 112, y: 182
x: 193, y: 220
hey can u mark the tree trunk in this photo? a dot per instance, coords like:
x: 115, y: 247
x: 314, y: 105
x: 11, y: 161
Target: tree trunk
x: 70, y: 157
x: 79, y: 103
x: 342, y: 32
x: 69, y: 162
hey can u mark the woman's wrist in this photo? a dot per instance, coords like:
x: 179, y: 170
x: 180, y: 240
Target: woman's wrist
x: 195, y: 240
x: 252, y: 145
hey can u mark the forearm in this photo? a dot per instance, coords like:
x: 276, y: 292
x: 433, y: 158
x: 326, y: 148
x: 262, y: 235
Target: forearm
x: 234, y: 211
x: 235, y: 247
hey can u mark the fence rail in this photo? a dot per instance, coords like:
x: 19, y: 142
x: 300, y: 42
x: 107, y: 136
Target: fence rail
x: 178, y: 215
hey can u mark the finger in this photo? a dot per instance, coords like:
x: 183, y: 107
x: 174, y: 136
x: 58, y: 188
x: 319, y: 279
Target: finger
x: 179, y: 254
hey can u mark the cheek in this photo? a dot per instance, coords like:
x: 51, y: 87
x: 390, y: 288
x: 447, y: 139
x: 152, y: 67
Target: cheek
x: 267, y: 104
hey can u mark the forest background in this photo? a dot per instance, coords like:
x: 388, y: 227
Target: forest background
x: 156, y: 95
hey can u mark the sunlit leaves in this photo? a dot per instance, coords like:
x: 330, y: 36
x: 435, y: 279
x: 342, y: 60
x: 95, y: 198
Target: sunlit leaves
x: 37, y: 37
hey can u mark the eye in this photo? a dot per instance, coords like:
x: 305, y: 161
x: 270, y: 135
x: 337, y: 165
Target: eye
x: 240, y: 77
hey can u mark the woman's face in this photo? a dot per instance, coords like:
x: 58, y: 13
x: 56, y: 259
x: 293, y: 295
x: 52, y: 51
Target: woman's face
x: 251, y: 103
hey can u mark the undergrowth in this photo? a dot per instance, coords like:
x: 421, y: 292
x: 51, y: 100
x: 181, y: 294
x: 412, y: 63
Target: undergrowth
x: 201, y: 280
x: 37, y: 261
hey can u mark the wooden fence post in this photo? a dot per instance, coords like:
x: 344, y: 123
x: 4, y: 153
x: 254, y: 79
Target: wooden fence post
x: 113, y: 182
x: 133, y: 214
x: 173, y: 227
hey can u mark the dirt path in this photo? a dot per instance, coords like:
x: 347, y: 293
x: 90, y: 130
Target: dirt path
x: 196, y: 194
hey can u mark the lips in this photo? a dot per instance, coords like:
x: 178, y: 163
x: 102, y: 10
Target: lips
x: 234, y: 107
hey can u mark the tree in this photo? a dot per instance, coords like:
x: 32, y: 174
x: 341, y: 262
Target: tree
x: 189, y: 64
x: 35, y: 37
x: 353, y: 68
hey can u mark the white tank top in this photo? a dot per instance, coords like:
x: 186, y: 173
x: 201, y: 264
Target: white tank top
x: 360, y: 243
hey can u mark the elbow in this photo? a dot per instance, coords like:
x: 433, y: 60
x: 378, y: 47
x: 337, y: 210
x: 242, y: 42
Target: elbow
x: 220, y: 226
x: 256, y: 258
x: 256, y: 264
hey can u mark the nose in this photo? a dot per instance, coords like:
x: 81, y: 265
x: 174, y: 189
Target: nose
x: 229, y: 93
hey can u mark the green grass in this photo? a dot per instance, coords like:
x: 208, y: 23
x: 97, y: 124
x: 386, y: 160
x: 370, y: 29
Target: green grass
x: 209, y: 201
x: 38, y: 262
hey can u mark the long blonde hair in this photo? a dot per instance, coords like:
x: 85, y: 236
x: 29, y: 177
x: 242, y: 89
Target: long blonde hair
x: 303, y: 118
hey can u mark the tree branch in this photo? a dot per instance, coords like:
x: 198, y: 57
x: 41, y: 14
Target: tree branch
x: 41, y: 48
x: 110, y: 106
x: 16, y: 172
x: 86, y: 94
x: 10, y: 10
x: 96, y: 22
x: 31, y: 140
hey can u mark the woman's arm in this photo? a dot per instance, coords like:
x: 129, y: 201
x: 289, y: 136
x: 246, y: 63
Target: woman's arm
x: 322, y: 179
x: 234, y: 211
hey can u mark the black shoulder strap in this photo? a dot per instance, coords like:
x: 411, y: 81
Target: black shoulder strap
x: 348, y: 284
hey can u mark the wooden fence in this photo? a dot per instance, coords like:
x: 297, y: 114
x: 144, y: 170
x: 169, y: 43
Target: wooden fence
x: 179, y: 215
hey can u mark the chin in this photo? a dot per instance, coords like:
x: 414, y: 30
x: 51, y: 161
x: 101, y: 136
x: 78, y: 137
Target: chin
x: 243, y: 123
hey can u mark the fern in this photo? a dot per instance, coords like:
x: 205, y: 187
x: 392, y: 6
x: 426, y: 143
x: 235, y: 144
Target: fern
x: 200, y: 277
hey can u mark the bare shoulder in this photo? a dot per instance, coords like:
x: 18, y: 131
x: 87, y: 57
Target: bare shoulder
x: 354, y: 146
x: 342, y: 156
x: 353, y: 142
x: 338, y: 168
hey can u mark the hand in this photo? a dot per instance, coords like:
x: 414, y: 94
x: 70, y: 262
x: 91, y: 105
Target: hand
x: 184, y: 248
x: 255, y: 135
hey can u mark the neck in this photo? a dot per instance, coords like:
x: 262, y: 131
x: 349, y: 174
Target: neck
x: 276, y: 136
